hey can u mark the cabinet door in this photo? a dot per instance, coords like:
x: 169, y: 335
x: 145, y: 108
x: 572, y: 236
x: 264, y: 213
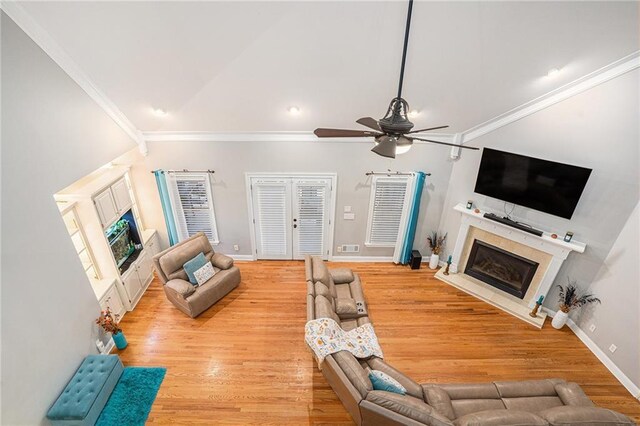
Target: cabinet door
x: 112, y: 300
x: 144, y: 267
x: 121, y: 195
x: 106, y: 207
x: 132, y: 284
x: 152, y: 246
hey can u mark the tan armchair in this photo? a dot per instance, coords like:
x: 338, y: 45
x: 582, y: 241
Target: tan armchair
x: 188, y: 298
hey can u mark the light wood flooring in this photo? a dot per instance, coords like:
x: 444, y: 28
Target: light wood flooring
x: 244, y: 361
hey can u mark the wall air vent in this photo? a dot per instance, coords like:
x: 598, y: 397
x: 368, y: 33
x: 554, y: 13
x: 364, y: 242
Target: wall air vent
x: 350, y: 248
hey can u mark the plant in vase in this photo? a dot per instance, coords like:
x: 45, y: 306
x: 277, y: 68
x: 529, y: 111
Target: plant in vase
x: 436, y: 243
x: 570, y: 299
x: 109, y: 323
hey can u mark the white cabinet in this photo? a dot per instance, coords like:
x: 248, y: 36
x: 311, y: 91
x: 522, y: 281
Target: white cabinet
x: 111, y: 300
x: 137, y: 277
x: 121, y: 196
x: 152, y: 245
x: 106, y: 207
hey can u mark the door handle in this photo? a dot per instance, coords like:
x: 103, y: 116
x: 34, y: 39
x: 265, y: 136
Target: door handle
x: 295, y: 226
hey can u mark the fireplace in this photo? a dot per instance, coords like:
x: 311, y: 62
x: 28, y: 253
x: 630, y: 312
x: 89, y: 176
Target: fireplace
x: 499, y: 268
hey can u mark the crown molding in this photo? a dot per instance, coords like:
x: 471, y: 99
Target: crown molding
x: 64, y: 61
x: 267, y: 137
x: 589, y: 81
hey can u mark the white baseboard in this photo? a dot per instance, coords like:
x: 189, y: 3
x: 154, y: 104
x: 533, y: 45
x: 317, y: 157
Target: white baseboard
x: 241, y: 257
x: 362, y: 259
x: 602, y: 356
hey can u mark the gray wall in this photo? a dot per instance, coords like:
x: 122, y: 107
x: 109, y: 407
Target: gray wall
x: 596, y: 129
x: 231, y: 160
x: 52, y: 134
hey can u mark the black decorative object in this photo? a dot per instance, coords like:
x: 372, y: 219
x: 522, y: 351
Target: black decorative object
x: 469, y: 204
x: 568, y: 236
x: 390, y: 131
x: 415, y: 260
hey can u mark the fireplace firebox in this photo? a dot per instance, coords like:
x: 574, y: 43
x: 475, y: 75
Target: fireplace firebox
x: 501, y: 269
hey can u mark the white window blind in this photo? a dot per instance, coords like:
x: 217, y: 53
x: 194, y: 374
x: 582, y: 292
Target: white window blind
x: 192, y: 202
x: 311, y: 200
x: 272, y: 219
x: 385, y: 210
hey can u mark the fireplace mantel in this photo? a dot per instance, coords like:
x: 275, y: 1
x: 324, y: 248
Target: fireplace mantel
x: 556, y: 249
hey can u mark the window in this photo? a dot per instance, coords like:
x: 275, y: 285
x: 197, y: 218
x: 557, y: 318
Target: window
x: 192, y: 204
x: 386, y: 210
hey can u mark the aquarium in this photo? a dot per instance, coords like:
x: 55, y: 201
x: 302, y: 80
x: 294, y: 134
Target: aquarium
x: 120, y: 241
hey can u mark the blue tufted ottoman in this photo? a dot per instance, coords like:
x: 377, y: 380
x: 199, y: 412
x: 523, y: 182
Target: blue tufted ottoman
x: 84, y: 397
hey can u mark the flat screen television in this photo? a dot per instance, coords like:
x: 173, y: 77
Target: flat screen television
x: 543, y: 185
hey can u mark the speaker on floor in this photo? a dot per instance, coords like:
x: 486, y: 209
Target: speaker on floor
x: 415, y: 260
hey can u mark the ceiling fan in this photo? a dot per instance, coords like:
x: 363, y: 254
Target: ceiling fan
x: 390, y: 132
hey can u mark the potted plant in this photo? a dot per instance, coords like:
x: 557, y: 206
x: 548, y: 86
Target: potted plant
x: 109, y: 323
x: 570, y: 299
x: 436, y: 243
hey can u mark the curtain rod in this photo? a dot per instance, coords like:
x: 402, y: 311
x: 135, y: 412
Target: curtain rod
x: 390, y: 173
x: 185, y: 171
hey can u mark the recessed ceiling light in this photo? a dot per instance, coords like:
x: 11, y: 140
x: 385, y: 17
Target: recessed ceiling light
x: 414, y: 113
x: 294, y: 110
x: 553, y: 72
x: 159, y: 112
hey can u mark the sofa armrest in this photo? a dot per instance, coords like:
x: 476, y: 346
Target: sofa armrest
x: 575, y: 416
x: 408, y: 406
x: 572, y: 394
x: 182, y: 287
x: 341, y: 275
x: 346, y: 308
x: 439, y: 399
x: 221, y: 261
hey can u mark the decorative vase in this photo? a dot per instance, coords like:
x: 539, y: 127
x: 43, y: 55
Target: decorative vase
x: 120, y: 340
x: 559, y: 319
x: 433, y: 261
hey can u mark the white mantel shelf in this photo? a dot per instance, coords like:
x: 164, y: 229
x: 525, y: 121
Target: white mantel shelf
x: 546, y: 236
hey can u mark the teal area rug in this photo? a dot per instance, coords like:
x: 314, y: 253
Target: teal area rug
x: 131, y: 400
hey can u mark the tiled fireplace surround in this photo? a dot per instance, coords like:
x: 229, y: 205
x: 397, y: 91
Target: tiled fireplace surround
x: 548, y: 252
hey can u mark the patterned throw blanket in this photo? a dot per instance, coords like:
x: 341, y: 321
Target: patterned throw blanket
x: 325, y: 337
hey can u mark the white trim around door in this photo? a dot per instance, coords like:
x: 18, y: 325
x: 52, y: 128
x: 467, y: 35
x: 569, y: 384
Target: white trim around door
x: 294, y: 178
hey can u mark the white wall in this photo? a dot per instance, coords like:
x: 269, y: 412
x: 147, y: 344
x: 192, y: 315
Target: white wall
x: 596, y: 129
x: 231, y: 160
x: 52, y: 135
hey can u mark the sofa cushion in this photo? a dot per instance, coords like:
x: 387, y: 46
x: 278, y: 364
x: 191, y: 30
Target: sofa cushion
x: 528, y: 388
x: 412, y: 387
x: 183, y: 252
x: 572, y: 394
x: 348, y: 324
x: 408, y: 406
x: 322, y: 290
x: 500, y: 418
x: 346, y: 308
x: 462, y: 407
x: 320, y: 270
x: 584, y: 416
x: 532, y: 404
x: 182, y: 287
x: 221, y: 261
x: 192, y: 265
x: 354, y: 371
x: 382, y: 381
x: 324, y: 309
x: 471, y: 391
x: 341, y: 275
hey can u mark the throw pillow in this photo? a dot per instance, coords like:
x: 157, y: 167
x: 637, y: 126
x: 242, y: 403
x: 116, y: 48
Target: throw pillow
x: 382, y: 381
x: 193, y: 265
x: 204, y: 274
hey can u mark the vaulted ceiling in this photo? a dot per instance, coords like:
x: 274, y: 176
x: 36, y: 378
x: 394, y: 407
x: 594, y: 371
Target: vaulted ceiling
x: 238, y: 66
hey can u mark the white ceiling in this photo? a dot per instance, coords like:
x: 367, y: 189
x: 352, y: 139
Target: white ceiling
x: 238, y: 66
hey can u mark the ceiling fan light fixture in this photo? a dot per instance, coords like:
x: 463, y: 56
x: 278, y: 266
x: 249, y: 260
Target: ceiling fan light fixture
x: 414, y: 113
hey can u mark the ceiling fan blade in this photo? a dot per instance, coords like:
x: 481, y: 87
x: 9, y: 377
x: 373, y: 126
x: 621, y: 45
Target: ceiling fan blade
x: 371, y: 123
x: 448, y: 144
x: 426, y: 130
x: 404, y: 140
x: 386, y: 147
x: 343, y: 133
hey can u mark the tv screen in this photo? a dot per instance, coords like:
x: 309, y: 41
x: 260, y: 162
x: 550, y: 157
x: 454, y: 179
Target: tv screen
x: 543, y: 185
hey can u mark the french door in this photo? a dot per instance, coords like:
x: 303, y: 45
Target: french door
x: 291, y: 216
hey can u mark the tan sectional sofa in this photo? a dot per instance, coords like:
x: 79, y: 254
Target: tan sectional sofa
x: 335, y: 293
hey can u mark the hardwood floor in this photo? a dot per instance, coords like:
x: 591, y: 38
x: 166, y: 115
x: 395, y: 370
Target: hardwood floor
x: 244, y: 361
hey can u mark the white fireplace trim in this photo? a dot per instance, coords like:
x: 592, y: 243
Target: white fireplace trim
x: 556, y: 247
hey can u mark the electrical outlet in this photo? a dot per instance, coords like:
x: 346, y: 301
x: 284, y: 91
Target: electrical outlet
x: 339, y: 249
x: 592, y: 328
x: 612, y: 348
x: 236, y: 247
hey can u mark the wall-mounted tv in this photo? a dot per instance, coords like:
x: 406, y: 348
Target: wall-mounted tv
x: 543, y: 185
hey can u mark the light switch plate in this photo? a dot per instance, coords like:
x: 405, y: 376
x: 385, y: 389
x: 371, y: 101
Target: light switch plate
x: 612, y: 348
x: 592, y: 328
x: 349, y: 216
x: 347, y: 209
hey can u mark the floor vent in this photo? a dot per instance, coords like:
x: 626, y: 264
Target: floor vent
x: 350, y: 248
